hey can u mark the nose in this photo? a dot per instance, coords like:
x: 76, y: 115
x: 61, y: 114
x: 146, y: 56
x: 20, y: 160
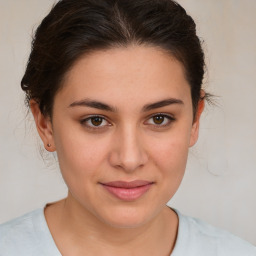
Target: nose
x: 128, y: 153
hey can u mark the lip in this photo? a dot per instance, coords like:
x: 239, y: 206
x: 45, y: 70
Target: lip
x: 128, y: 191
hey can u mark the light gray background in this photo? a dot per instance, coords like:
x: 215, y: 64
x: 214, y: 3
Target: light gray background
x: 220, y: 183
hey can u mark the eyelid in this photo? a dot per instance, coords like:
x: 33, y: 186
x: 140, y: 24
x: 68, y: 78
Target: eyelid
x: 170, y: 117
x: 87, y: 118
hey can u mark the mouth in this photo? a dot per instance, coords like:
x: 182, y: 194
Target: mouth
x: 127, y: 191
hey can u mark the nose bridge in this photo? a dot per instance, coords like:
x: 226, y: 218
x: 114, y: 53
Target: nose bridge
x: 130, y: 153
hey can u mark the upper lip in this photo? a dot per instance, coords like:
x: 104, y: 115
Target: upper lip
x: 125, y: 184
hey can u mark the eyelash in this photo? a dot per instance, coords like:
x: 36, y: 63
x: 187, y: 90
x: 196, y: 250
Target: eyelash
x: 169, y: 118
x: 93, y: 127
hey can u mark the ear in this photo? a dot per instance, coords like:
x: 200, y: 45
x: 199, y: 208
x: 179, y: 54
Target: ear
x: 44, y: 126
x: 195, y: 126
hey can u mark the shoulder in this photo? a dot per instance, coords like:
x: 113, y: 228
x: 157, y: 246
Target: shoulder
x: 200, y: 238
x: 25, y: 235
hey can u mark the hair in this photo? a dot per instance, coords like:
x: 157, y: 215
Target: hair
x: 74, y: 28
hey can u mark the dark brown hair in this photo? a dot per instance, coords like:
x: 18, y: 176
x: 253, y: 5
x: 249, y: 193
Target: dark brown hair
x: 76, y: 27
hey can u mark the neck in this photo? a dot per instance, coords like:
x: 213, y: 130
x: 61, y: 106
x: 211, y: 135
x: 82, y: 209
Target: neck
x: 85, y: 232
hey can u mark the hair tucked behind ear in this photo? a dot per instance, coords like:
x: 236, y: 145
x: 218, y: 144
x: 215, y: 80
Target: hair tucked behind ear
x: 74, y: 28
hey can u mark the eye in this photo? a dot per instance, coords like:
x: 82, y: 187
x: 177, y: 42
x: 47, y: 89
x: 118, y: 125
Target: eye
x: 160, y: 120
x: 95, y: 122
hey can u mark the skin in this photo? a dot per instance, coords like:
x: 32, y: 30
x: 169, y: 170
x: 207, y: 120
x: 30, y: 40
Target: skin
x: 128, y: 145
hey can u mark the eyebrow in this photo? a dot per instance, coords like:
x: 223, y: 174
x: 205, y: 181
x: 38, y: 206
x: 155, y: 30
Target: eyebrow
x: 92, y: 104
x: 103, y: 106
x: 161, y: 104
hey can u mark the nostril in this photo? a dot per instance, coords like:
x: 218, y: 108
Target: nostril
x: 126, y: 163
x: 128, y: 153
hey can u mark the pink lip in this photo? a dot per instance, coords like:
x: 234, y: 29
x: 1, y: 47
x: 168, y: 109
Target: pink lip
x: 128, y: 191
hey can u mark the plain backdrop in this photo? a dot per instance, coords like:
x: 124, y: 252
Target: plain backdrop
x: 220, y: 182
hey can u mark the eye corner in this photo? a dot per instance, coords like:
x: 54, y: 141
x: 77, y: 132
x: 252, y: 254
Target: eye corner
x: 163, y: 120
x: 95, y: 122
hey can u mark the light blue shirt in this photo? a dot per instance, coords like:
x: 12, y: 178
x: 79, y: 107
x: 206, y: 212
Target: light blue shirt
x: 29, y: 235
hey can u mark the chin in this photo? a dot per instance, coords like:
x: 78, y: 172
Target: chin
x: 127, y: 217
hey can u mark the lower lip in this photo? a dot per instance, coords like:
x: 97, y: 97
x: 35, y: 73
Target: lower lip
x: 128, y: 194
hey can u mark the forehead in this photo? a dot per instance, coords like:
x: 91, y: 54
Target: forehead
x: 136, y: 73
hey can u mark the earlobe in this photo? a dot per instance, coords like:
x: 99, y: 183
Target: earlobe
x: 195, y: 127
x: 43, y: 125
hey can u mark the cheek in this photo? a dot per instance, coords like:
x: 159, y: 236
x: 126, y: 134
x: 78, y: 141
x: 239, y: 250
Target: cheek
x: 171, y: 150
x: 169, y: 154
x: 78, y: 153
x: 171, y: 161
x: 81, y: 160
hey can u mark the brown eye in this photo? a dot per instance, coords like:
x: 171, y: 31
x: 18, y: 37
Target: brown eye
x: 96, y: 121
x: 158, y: 119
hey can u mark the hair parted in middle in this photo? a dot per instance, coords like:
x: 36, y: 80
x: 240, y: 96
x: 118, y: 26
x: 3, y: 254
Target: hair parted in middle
x: 74, y: 28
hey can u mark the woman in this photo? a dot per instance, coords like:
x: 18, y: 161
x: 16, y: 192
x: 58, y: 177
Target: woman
x: 115, y: 89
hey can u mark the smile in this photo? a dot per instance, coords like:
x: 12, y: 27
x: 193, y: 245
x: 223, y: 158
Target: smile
x: 127, y: 191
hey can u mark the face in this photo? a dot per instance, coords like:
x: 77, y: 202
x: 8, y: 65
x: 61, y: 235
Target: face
x: 122, y: 126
